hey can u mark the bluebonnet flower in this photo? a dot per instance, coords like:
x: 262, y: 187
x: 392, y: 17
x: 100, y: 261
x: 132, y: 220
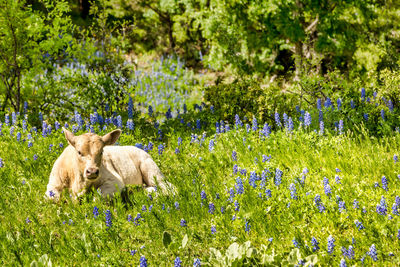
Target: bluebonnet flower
x: 268, y: 193
x: 25, y: 107
x: 168, y: 114
x: 295, y: 243
x: 133, y: 252
x: 139, y: 145
x: 160, y: 149
x: 150, y: 111
x: 211, y: 208
x: 243, y: 172
x: 12, y: 130
x: 395, y: 158
x: 238, y: 122
x: 130, y: 125
x: 327, y: 187
x: 319, y: 105
x: 340, y: 126
x: 177, y: 151
x: 177, y: 262
x: 93, y: 119
x: 384, y: 183
x: 285, y: 120
x: 252, y: 179
x: 359, y: 225
x: 211, y: 145
x: 315, y: 244
x: 343, y: 263
x: 307, y: 119
x: 143, y: 261
x: 328, y: 102
x: 7, y: 119
x: 231, y: 194
x: 390, y: 105
x: 247, y: 128
x: 35, y: 157
x: 197, y: 263
x: 376, y: 184
x: 176, y: 205
x: 320, y: 116
x: 239, y: 186
x: 24, y: 125
x: 266, y: 131
x: 108, y: 219
x: 247, y: 226
x: 235, y: 169
x: 144, y: 208
x: 198, y: 124
x: 237, y: 206
x: 290, y: 124
x: 383, y: 114
x: 356, y: 204
x: 277, y: 119
x: 213, y: 229
x: 337, y: 179
x: 352, y: 104
x: 150, y: 146
x: 203, y: 195
x: 331, y: 244
x: 318, y: 203
x: 350, y: 253
x: 27, y: 220
x: 130, y: 108
x: 266, y: 158
x: 255, y: 125
x: 381, y: 208
x: 321, y: 127
x: 396, y: 206
x: 362, y: 93
x: 339, y: 103
x: 222, y: 209
x: 373, y: 253
x: 278, y: 177
x: 292, y: 188
x: 14, y: 118
x: 234, y: 155
x: 342, y: 206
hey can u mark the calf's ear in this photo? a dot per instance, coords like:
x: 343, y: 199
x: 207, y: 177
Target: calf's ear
x: 111, y: 137
x: 69, y: 136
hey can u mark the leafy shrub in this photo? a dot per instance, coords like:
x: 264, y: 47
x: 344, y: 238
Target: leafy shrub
x: 247, y: 98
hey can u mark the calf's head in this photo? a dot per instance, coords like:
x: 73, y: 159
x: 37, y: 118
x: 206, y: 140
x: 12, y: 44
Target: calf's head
x: 89, y: 150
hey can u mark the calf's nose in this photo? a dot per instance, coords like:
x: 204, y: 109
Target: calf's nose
x: 93, y: 172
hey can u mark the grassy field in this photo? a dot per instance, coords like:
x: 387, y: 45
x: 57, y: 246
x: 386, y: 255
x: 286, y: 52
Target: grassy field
x: 296, y: 192
x: 243, y: 198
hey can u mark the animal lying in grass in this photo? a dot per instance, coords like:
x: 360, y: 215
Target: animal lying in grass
x: 90, y: 161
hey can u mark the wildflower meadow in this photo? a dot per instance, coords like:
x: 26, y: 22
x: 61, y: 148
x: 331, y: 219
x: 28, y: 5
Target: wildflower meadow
x: 300, y: 190
x: 276, y: 122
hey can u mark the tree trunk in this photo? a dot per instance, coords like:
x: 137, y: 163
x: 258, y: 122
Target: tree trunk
x: 298, y: 60
x: 170, y: 31
x: 84, y: 8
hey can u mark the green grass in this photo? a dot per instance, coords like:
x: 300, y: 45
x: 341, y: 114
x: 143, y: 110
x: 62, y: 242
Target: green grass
x: 67, y: 233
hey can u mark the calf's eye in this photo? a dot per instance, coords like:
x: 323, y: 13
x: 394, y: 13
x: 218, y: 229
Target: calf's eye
x: 79, y: 153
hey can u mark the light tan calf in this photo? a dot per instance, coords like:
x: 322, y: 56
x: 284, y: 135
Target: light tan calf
x: 91, y: 161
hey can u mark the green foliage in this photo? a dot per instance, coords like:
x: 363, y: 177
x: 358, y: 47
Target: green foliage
x: 30, y: 40
x: 246, y: 98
